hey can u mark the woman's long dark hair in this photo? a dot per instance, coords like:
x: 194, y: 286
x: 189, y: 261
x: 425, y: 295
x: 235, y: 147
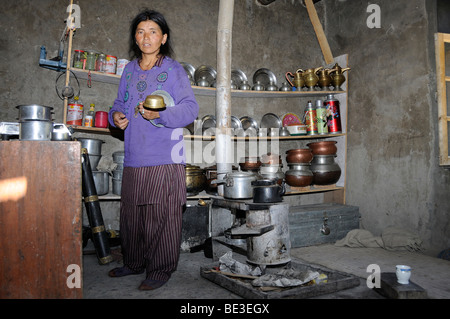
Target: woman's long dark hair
x: 159, y: 19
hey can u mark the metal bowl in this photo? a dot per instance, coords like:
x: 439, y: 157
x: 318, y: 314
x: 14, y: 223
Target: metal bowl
x: 155, y: 103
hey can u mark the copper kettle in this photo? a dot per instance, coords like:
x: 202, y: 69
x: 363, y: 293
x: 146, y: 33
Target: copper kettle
x: 337, y: 76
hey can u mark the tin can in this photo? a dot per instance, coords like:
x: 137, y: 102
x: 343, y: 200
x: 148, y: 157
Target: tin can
x: 121, y: 63
x: 310, y: 119
x: 333, y: 115
x: 321, y: 115
x: 111, y: 63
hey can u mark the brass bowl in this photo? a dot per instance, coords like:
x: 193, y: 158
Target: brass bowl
x: 155, y: 103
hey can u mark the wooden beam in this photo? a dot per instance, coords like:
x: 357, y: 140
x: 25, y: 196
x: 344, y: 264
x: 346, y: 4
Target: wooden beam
x: 323, y: 42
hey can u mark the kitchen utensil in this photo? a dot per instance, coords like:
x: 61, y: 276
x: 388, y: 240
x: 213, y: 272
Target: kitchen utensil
x: 101, y: 181
x: 324, y: 78
x: 238, y: 77
x: 298, y: 80
x: 35, y: 130
x: 265, y: 77
x: 61, y: 132
x: 155, y: 103
x: 337, y: 76
x: 195, y: 180
x: 189, y: 68
x: 168, y: 100
x: 403, y: 274
x: 267, y: 191
x: 205, y: 74
x: 248, y: 123
x: 117, y: 186
x: 271, y: 87
x: 257, y: 86
x: 284, y: 131
x: 323, y: 147
x: 285, y: 87
x: 311, y: 78
x: 250, y: 163
x: 245, y: 86
x: 299, y: 175
x: 34, y: 112
x: 92, y: 145
x: 118, y: 157
x: 325, y: 170
x: 299, y: 155
x: 296, y: 129
x: 270, y: 120
x: 237, y: 185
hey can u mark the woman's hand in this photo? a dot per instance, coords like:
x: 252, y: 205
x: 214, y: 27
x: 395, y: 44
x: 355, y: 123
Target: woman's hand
x: 146, y: 113
x: 120, y: 120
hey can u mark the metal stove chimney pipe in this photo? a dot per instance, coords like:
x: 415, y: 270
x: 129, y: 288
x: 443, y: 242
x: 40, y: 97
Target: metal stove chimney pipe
x: 223, y: 91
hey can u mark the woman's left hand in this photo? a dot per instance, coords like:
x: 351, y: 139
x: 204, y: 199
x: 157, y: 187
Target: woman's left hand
x: 146, y: 113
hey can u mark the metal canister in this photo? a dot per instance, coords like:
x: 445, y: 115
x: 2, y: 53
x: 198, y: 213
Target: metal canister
x: 310, y: 119
x: 333, y: 115
x: 321, y: 115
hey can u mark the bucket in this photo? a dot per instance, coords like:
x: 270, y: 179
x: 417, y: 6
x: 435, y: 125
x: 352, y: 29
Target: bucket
x: 101, y: 119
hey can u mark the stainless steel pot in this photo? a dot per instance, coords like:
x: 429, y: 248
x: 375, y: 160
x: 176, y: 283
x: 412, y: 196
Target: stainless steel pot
x: 35, y: 130
x: 61, y: 132
x: 117, y: 186
x: 101, y: 181
x: 325, y: 170
x: 93, y: 146
x: 237, y: 185
x: 118, y: 157
x: 34, y: 112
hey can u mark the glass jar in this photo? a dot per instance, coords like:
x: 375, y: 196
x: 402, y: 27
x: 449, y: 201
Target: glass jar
x: 90, y: 61
x: 100, y: 64
x: 78, y: 59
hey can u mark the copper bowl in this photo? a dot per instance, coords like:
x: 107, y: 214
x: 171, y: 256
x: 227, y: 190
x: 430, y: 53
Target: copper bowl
x: 300, y: 155
x: 323, y: 148
x: 155, y: 103
x: 271, y: 159
x: 250, y: 163
x: 299, y: 175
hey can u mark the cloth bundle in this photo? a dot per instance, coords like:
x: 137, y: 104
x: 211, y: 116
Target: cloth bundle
x: 392, y: 238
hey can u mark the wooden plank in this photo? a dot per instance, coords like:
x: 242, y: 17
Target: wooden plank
x: 440, y: 38
x: 41, y: 231
x: 323, y: 42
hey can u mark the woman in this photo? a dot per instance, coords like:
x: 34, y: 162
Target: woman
x: 154, y: 183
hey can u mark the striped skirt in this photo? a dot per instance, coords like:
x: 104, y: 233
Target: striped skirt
x: 151, y: 218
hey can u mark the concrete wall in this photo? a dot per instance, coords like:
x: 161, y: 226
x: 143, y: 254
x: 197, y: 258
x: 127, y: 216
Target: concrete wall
x: 392, y: 171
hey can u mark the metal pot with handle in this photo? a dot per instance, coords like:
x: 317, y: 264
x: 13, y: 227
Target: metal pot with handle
x: 237, y: 185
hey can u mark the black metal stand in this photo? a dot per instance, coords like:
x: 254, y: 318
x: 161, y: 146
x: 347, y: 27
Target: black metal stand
x: 94, y: 213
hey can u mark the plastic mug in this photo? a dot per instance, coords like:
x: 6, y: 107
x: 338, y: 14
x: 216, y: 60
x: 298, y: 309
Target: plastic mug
x: 101, y: 119
x: 403, y: 273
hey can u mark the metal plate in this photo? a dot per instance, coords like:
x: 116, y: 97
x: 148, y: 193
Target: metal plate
x: 207, y: 72
x: 168, y: 99
x: 235, y: 122
x: 265, y: 77
x: 189, y: 68
x: 270, y: 120
x: 238, y: 77
x: 248, y: 122
x: 208, y: 121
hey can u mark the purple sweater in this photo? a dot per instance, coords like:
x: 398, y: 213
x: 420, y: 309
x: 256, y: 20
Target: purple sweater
x: 146, y: 144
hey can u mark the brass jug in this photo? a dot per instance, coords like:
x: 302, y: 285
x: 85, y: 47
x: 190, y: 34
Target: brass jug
x: 311, y: 78
x: 325, y: 78
x: 299, y: 82
x: 337, y: 77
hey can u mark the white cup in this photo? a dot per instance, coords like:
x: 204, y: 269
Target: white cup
x: 403, y: 273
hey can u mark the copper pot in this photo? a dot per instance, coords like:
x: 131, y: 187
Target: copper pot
x: 195, y: 180
x: 323, y: 148
x: 250, y: 163
x: 300, y: 155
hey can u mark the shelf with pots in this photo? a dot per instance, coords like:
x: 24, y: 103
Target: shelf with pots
x: 208, y: 91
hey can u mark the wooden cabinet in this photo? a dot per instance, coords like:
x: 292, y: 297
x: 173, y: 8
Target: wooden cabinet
x: 40, y: 220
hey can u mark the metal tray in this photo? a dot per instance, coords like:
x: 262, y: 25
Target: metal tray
x: 270, y: 120
x: 265, y: 77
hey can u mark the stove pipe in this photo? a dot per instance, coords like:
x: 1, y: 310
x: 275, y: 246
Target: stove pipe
x: 223, y: 91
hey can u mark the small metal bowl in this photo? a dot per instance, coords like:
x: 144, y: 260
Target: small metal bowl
x: 155, y: 103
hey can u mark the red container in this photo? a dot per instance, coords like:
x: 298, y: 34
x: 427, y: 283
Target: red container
x: 101, y: 119
x: 333, y: 115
